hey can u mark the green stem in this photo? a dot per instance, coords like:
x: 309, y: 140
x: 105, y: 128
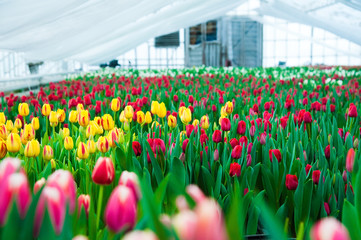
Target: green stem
x: 47, y: 126
x: 99, y: 208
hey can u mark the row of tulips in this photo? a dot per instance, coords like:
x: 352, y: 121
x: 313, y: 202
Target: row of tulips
x: 199, y: 153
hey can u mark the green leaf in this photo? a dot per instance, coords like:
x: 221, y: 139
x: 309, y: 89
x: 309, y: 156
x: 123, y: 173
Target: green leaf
x: 350, y: 220
x: 178, y: 171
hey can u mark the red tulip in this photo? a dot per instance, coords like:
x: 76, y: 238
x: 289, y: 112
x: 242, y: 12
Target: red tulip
x: 327, y: 152
x: 53, y: 199
x: 83, y: 202
x: 307, y: 168
x: 327, y: 208
x: 352, y: 111
x: 291, y: 182
x: 316, y: 176
x: 225, y: 124
x: 350, y: 159
x: 184, y: 145
x: 65, y: 181
x: 130, y: 180
x: 307, y: 118
x: 217, y: 136
x: 121, y: 210
x: 277, y: 154
x: 241, y: 128
x: 189, y: 130
x: 329, y: 229
x: 103, y: 172
x: 237, y: 152
x: 234, y: 142
x: 14, y: 188
x: 137, y: 148
x: 235, y: 170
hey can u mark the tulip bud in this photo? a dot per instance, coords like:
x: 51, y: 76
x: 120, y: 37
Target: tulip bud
x: 103, y: 172
x: 237, y: 152
x: 115, y: 105
x: 23, y: 109
x: 154, y: 107
x: 277, y: 154
x: 122, y: 117
x: 126, y: 126
x: 91, y: 146
x: 79, y: 107
x: 29, y: 132
x: 186, y: 116
x: 128, y: 112
x: 216, y: 155
x: 228, y: 108
x: 13, y: 142
x: 329, y: 229
x: 235, y: 169
x: 84, y: 202
x: 172, y: 121
x: 90, y: 131
x: 113, y: 137
x: 48, y: 153
x: 18, y: 123
x: 225, y: 124
x: 53, y: 118
x: 121, y: 209
x: 140, y: 117
x: 9, y: 125
x: 45, y: 110
x: 217, y: 136
x: 35, y: 123
x: 352, y: 111
x: 327, y: 152
x: 73, y: 115
x: 350, y: 160
x: 205, y: 122
x: 60, y: 115
x: 53, y: 199
x: 3, y: 131
x: 2, y: 118
x: 144, y: 235
x: 137, y: 148
x: 162, y: 110
x: 130, y: 180
x: 82, y: 151
x: 29, y: 150
x: 83, y: 118
x: 107, y: 122
x: 36, y: 147
x: 3, y: 149
x: 39, y: 184
x: 148, y: 117
x: 66, y: 133
x: 316, y: 176
x: 15, y: 187
x: 103, y: 144
x: 291, y: 182
x: 68, y: 143
x: 195, y: 123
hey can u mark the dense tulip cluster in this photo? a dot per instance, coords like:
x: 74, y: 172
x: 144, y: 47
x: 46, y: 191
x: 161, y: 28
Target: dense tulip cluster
x: 199, y: 153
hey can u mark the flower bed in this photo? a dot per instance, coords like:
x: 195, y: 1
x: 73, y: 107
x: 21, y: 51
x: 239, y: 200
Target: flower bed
x: 202, y: 153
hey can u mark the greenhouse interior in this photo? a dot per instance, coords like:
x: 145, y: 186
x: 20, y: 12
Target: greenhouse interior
x: 180, y: 119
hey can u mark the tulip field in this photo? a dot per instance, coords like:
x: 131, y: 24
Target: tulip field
x: 201, y: 153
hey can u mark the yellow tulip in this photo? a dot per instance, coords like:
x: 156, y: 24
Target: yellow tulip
x: 53, y: 164
x: 61, y: 115
x: 29, y: 132
x: 140, y: 117
x: 115, y: 105
x: 91, y: 146
x: 195, y: 122
x: 3, y: 149
x: 68, y: 143
x: 45, y: 110
x: 162, y: 110
x: 154, y: 107
x: 66, y: 132
x: 113, y: 137
x: 83, y: 118
x: 107, y: 122
x: 90, y: 130
x: 36, y: 147
x: 98, y: 120
x: 228, y: 108
x: 181, y: 110
x: 3, y: 131
x: 148, y: 118
x: 9, y: 125
x: 103, y: 144
x: 18, y: 123
x: 48, y: 153
x: 128, y: 112
x: 82, y: 151
x: 2, y: 118
x: 172, y: 121
x: 186, y: 116
x: 205, y: 122
x: 29, y: 150
x: 53, y: 118
x: 73, y: 116
x: 23, y: 109
x: 79, y: 107
x: 35, y: 123
x: 22, y: 137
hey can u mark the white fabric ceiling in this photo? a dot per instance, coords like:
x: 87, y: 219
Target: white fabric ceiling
x: 95, y: 31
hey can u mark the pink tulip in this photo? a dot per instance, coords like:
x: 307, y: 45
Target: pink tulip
x: 7, y: 167
x: 185, y: 223
x: 38, y: 185
x: 121, y: 209
x: 130, y: 180
x: 329, y: 229
x: 83, y: 201
x: 53, y: 199
x: 195, y: 192
x: 64, y: 179
x: 14, y: 188
x: 103, y: 172
x: 350, y: 159
x: 137, y: 235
